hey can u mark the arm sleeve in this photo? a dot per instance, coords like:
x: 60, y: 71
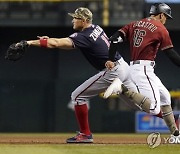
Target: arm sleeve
x: 166, y: 42
x: 114, y: 46
x: 112, y: 51
x: 173, y: 56
x: 116, y: 35
x: 79, y: 40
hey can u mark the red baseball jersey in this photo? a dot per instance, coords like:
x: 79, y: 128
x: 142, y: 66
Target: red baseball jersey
x: 146, y: 37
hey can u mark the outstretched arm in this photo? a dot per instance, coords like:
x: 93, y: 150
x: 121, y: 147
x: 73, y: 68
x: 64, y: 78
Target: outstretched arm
x: 44, y: 41
x: 17, y: 50
x: 173, y: 56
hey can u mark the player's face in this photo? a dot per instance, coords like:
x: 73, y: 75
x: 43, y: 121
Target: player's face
x: 77, y: 24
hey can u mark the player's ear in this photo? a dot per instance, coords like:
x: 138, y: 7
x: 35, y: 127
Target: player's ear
x: 161, y: 15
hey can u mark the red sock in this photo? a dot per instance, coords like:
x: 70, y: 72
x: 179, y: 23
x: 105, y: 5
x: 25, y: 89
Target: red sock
x: 159, y: 115
x: 81, y: 112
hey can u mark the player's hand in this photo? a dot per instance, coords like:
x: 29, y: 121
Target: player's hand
x: 109, y: 64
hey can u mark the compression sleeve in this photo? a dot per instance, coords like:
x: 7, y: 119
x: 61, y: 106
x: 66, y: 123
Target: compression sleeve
x: 112, y: 51
x: 116, y: 38
x: 116, y: 35
x: 173, y: 56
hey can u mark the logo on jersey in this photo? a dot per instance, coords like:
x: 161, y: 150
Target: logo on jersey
x: 74, y: 35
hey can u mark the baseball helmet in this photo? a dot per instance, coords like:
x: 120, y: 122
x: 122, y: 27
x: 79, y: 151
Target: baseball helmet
x: 158, y: 8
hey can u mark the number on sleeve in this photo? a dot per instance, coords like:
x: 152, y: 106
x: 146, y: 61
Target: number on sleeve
x: 105, y: 39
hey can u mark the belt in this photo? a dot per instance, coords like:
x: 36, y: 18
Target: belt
x: 143, y: 62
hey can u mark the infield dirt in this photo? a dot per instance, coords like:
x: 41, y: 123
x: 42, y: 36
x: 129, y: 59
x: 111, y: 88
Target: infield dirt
x: 61, y: 138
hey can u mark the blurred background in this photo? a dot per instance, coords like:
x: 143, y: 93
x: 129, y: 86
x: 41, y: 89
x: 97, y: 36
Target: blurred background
x: 35, y: 91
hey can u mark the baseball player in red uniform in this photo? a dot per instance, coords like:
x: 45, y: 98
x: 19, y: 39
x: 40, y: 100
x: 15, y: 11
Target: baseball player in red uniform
x: 146, y: 37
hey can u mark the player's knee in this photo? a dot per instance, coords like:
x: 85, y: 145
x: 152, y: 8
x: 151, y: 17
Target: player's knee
x: 74, y: 97
x: 155, y: 111
x: 79, y: 102
x: 78, y: 99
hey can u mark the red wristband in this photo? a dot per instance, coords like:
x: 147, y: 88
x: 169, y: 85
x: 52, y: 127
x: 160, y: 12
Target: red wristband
x: 43, y: 43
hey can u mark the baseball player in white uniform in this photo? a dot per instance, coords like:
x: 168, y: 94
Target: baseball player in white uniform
x: 146, y: 37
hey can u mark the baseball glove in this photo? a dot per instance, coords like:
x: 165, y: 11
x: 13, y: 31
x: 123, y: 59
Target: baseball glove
x: 16, y: 51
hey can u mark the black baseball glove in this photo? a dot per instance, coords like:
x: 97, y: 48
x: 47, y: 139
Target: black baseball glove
x: 16, y: 51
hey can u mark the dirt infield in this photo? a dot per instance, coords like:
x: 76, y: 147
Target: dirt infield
x: 61, y: 138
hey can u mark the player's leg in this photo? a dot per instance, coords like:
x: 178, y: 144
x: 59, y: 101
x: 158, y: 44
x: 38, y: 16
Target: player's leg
x: 149, y: 86
x: 176, y: 118
x: 80, y: 96
x: 167, y: 113
x: 146, y: 104
x: 92, y: 87
x: 164, y: 96
x: 147, y: 99
x: 143, y: 102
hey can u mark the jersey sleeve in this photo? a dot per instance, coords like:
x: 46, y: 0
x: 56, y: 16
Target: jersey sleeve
x: 166, y: 42
x: 79, y: 40
x: 125, y: 30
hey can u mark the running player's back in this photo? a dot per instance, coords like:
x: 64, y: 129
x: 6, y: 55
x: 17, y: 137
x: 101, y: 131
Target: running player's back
x: 146, y: 36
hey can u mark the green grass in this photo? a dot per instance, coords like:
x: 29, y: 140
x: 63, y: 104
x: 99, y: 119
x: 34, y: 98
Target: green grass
x: 87, y: 149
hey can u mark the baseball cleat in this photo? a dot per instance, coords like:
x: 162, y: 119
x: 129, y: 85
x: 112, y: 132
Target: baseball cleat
x: 114, y: 88
x: 80, y: 138
x: 176, y: 133
x: 174, y: 138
